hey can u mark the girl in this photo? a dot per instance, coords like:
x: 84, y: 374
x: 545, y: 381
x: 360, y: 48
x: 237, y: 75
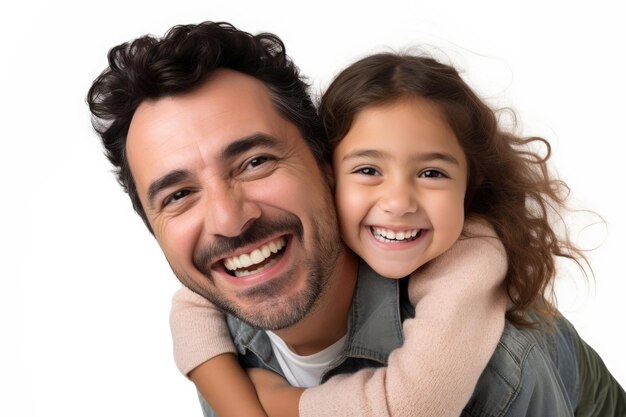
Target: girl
x: 416, y: 153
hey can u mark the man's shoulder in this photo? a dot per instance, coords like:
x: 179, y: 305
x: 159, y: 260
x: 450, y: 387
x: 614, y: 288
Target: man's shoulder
x: 522, y: 377
x: 501, y: 380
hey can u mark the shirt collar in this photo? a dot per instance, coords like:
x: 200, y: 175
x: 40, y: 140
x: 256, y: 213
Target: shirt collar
x: 375, y: 326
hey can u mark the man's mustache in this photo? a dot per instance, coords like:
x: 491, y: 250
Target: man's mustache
x: 261, y: 229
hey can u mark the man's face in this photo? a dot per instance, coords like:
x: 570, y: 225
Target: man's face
x: 236, y: 199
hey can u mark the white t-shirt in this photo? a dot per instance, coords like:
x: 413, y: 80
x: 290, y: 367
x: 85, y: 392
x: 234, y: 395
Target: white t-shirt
x: 304, y: 371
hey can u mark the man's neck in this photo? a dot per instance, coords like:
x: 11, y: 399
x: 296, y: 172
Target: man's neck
x: 328, y: 320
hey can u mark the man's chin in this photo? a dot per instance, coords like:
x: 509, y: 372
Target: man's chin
x: 274, y: 312
x: 273, y: 305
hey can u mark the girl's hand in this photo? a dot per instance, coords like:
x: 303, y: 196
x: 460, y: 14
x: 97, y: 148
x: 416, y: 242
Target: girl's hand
x: 278, y: 398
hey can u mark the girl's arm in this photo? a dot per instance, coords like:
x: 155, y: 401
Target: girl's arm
x: 460, y: 304
x: 203, y: 350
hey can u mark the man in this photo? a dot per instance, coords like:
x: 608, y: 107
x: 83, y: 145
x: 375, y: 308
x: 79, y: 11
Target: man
x: 219, y: 147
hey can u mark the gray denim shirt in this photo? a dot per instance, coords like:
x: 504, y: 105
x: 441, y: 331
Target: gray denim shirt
x: 531, y: 373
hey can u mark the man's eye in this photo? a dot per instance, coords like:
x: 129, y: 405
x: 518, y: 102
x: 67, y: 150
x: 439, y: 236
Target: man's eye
x: 178, y: 195
x: 257, y: 161
x: 432, y: 173
x: 367, y: 171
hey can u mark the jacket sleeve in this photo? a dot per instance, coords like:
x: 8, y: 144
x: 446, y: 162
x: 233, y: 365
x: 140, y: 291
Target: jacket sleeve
x: 199, y: 330
x: 460, y: 303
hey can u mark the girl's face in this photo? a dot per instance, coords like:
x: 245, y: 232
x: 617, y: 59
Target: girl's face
x: 400, y: 178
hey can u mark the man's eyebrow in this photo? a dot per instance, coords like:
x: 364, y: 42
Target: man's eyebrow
x: 249, y: 142
x: 234, y: 148
x: 167, y: 180
x: 421, y: 157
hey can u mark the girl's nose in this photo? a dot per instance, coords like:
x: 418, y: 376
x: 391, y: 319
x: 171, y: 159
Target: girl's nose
x: 399, y: 199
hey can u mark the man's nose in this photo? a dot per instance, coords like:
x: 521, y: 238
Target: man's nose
x: 229, y: 212
x: 399, y: 198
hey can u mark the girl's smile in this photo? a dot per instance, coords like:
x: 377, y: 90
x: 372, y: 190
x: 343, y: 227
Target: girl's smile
x: 400, y: 178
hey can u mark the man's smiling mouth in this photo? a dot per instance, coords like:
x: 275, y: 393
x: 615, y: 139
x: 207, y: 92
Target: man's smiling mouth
x: 257, y: 260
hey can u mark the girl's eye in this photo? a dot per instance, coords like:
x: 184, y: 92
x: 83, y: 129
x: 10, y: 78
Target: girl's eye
x: 432, y: 173
x: 367, y: 171
x: 178, y: 195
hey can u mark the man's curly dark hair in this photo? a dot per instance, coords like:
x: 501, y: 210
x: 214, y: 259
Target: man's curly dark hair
x: 179, y: 62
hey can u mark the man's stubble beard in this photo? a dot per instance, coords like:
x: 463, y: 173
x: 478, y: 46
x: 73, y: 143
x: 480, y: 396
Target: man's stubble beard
x: 271, y: 311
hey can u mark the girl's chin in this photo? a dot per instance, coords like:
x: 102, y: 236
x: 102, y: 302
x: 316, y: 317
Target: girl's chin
x: 392, y: 270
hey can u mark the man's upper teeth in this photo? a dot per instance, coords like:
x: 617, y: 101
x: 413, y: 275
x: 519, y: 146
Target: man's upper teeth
x: 394, y: 235
x: 255, y: 257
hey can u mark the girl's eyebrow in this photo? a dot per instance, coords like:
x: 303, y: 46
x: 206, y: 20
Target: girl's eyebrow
x: 363, y: 153
x: 419, y: 157
x: 434, y: 156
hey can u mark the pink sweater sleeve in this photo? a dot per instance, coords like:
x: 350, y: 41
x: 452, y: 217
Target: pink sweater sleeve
x: 199, y: 330
x: 459, y: 317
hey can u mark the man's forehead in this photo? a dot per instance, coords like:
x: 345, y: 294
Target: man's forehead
x: 228, y: 103
x: 226, y: 107
x: 223, y: 91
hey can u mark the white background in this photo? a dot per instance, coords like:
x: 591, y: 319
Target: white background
x: 84, y: 288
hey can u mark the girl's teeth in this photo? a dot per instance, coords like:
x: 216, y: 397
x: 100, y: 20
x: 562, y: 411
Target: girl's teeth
x: 385, y: 235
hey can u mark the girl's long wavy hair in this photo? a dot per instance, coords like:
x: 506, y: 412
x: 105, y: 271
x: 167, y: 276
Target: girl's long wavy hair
x: 509, y: 183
